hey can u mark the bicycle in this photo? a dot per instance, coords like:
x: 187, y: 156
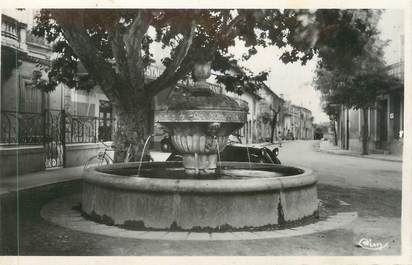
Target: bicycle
x: 102, y: 157
x: 234, y: 139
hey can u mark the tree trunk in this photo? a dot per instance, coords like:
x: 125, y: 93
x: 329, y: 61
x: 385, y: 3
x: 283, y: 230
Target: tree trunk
x: 133, y: 127
x: 335, y: 134
x: 274, y: 121
x: 365, y: 132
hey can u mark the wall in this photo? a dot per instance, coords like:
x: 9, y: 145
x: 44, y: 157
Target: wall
x: 355, y: 143
x: 78, y: 154
x: 28, y: 159
x: 21, y: 160
x: 375, y: 143
x: 249, y: 131
x: 76, y: 102
x: 9, y: 92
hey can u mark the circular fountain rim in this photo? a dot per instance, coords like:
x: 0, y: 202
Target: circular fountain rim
x: 97, y: 176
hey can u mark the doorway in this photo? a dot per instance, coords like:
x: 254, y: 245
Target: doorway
x: 382, y: 123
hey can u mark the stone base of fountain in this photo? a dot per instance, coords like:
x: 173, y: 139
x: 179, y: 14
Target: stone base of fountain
x: 202, y: 164
x: 262, y: 195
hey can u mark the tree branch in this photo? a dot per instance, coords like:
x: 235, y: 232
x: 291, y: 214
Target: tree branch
x: 75, y: 33
x: 184, y: 69
x: 133, y: 42
x: 178, y: 68
x: 229, y: 32
x: 119, y: 51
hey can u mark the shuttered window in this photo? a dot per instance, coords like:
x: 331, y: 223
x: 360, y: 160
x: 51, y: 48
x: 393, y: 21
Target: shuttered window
x: 30, y: 98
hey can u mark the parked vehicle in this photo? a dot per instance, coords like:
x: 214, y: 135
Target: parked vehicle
x: 289, y: 136
x: 166, y: 145
x: 242, y: 153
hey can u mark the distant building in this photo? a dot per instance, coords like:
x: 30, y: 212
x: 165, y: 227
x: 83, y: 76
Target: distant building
x: 263, y: 104
x: 249, y: 132
x: 270, y: 105
x: 297, y: 122
x: 306, y: 128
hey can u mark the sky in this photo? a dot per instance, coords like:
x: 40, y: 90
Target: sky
x: 294, y: 81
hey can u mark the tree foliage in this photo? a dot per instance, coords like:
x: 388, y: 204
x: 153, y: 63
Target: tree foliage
x: 359, y: 87
x: 115, y: 46
x: 357, y: 82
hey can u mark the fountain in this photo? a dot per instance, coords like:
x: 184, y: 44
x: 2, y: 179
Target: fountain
x: 199, y: 195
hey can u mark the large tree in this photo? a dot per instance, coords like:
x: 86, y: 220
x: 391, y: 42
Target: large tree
x: 115, y: 47
x: 333, y: 111
x: 357, y: 85
x: 273, y: 123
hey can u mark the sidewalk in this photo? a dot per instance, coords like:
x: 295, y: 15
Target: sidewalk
x: 37, y: 179
x: 328, y: 147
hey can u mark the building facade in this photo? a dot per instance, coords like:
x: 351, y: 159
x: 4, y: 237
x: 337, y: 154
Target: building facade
x: 385, y: 121
x: 250, y: 131
x: 58, y: 128
x: 297, y: 122
x: 269, y: 115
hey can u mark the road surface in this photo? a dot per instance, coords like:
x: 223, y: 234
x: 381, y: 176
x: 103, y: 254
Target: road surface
x: 343, y: 171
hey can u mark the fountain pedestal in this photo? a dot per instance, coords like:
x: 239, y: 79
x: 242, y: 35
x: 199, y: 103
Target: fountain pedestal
x: 200, y: 122
x: 203, y: 164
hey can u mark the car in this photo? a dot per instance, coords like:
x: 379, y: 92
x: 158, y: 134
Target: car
x: 239, y: 153
x: 289, y: 136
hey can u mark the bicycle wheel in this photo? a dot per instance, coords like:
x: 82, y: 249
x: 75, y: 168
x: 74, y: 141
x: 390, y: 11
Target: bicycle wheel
x: 97, y: 160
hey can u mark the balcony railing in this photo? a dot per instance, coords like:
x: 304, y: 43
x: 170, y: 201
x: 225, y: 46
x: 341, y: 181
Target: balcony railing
x: 10, y: 30
x: 13, y: 33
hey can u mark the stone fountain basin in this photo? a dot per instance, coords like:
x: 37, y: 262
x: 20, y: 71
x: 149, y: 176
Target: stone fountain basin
x: 280, y: 195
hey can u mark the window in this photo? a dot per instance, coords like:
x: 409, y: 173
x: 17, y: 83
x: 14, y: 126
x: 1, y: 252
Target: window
x: 105, y: 121
x: 30, y: 98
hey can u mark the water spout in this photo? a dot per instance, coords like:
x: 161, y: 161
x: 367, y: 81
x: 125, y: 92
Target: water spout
x: 248, y: 156
x: 218, y: 154
x: 143, y: 152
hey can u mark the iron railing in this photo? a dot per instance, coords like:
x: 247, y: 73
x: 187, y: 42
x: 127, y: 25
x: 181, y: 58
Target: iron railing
x: 81, y: 129
x: 24, y: 128
x: 28, y: 128
x: 53, y: 129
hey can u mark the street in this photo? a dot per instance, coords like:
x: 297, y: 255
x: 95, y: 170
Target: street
x: 346, y: 184
x: 343, y: 171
